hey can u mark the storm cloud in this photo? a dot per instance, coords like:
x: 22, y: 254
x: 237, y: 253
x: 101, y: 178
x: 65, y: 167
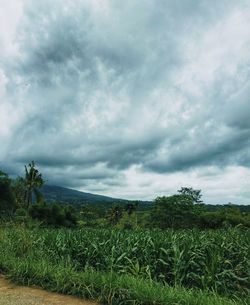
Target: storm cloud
x: 130, y: 99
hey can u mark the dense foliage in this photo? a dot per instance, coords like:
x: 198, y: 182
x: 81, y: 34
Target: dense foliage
x: 7, y: 200
x: 215, y: 260
x: 181, y: 211
x: 54, y: 214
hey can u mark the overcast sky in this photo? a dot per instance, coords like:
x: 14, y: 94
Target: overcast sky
x: 130, y: 99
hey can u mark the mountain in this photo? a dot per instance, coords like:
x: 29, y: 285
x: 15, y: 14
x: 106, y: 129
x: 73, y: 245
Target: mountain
x: 61, y: 194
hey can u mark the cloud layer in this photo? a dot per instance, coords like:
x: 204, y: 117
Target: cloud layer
x: 128, y: 99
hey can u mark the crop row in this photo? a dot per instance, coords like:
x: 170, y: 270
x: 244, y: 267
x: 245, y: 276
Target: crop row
x: 215, y: 260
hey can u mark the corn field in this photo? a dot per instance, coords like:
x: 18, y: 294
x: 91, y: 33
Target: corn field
x: 211, y: 260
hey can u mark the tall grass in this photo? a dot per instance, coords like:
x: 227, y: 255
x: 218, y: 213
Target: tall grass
x: 108, y: 259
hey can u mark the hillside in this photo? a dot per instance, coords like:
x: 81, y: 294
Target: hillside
x: 62, y: 194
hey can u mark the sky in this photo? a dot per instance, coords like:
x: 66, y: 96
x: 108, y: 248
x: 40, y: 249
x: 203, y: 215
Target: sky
x: 130, y: 99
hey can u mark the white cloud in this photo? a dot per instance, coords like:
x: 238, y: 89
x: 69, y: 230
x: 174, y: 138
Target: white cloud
x: 10, y: 14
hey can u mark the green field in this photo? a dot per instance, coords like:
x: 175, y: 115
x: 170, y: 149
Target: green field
x: 132, y: 267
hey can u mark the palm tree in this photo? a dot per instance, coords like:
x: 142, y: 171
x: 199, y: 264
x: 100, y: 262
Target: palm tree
x: 33, y: 181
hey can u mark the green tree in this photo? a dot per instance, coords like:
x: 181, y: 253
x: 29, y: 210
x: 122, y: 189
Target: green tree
x: 114, y: 214
x: 131, y: 207
x: 175, y: 211
x: 7, y: 202
x: 195, y: 195
x: 19, y: 189
x: 228, y: 215
x: 54, y: 214
x: 33, y: 182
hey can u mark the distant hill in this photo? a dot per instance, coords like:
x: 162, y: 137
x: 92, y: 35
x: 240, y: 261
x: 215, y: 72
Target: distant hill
x: 54, y: 193
x: 61, y: 194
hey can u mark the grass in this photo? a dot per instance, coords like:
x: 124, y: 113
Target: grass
x: 108, y: 288
x: 64, y: 261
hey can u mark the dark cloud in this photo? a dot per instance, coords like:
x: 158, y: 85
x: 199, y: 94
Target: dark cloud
x: 184, y: 157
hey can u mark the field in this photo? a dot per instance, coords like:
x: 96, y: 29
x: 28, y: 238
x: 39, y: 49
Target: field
x: 132, y: 267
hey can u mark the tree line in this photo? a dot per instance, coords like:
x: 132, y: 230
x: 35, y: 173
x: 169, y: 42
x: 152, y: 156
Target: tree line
x: 21, y: 199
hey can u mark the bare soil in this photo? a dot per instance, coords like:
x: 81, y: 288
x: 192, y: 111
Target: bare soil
x: 11, y: 294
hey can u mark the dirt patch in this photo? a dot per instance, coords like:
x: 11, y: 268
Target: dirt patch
x: 11, y: 294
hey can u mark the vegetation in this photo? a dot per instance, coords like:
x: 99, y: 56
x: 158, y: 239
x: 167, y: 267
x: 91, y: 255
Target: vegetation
x: 176, y: 250
x: 7, y: 201
x: 127, y: 264
x: 114, y: 214
x: 185, y: 211
x: 33, y: 182
x: 55, y: 215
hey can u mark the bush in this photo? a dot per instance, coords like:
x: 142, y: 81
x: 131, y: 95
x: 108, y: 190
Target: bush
x: 7, y: 201
x: 55, y: 215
